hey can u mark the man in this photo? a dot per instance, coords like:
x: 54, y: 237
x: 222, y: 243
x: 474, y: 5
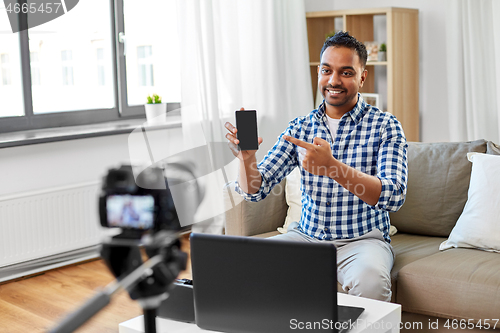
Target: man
x: 352, y: 160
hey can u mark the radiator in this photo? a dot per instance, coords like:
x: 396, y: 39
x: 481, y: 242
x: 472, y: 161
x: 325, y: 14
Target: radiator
x: 48, y: 224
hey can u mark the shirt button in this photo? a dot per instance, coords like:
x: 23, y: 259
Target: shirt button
x: 328, y: 203
x: 326, y: 229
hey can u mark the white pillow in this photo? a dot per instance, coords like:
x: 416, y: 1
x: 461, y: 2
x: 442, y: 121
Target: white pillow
x: 292, y: 196
x: 479, y: 225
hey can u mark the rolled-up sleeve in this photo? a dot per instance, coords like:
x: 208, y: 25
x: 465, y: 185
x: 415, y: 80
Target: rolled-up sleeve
x: 275, y: 166
x: 392, y: 167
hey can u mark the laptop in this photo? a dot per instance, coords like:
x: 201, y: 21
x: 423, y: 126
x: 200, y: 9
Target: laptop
x: 244, y: 284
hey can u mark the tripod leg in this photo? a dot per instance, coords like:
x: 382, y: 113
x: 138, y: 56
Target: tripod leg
x: 150, y: 320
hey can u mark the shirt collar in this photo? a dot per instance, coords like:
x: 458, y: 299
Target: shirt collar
x: 356, y: 113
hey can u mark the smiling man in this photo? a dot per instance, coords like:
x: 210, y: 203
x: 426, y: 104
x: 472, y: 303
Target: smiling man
x: 352, y: 160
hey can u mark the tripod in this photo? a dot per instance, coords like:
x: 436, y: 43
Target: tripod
x: 147, y: 282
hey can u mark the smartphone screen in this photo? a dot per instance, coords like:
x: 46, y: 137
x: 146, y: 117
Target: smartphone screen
x: 246, y: 123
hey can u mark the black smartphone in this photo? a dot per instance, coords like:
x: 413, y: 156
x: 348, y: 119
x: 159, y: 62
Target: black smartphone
x: 246, y: 123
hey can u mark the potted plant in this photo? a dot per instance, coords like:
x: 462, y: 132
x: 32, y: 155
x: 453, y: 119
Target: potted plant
x: 156, y: 111
x: 382, y: 52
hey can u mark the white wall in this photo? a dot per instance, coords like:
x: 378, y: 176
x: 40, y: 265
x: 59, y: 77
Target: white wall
x: 48, y: 165
x: 433, y: 72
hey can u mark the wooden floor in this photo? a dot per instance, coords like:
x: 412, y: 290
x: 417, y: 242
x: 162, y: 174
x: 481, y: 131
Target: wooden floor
x: 37, y: 303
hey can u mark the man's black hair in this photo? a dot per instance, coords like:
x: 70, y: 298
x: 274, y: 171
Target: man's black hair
x: 343, y: 39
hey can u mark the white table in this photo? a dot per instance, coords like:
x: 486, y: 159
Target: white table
x: 378, y: 317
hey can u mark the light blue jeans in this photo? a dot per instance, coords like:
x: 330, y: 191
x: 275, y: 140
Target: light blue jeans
x: 363, y: 263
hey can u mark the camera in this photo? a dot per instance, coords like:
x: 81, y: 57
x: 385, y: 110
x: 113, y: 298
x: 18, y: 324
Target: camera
x: 161, y: 200
x: 142, y: 202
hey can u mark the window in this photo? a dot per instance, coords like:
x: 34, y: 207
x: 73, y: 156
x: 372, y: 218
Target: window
x: 11, y: 94
x: 67, y: 68
x: 67, y: 49
x: 35, y: 68
x: 145, y: 62
x: 151, y: 64
x: 74, y: 70
x: 101, y: 76
x: 4, y: 62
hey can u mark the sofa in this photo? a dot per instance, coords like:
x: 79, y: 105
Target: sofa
x: 443, y: 290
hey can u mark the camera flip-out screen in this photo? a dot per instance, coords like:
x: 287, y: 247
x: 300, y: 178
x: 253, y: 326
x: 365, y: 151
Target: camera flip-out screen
x: 130, y: 211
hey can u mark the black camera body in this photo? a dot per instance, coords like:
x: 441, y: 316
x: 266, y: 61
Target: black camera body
x: 137, y: 206
x: 140, y: 200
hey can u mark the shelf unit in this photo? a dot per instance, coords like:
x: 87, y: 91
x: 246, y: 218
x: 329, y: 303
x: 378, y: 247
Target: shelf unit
x: 402, y: 63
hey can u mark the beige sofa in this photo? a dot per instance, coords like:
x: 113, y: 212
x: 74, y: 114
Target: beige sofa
x: 430, y: 284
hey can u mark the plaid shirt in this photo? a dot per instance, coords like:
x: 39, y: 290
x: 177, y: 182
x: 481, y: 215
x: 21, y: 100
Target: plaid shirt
x: 366, y: 139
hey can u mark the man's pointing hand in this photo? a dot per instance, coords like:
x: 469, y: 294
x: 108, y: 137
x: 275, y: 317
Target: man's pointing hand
x: 318, y: 157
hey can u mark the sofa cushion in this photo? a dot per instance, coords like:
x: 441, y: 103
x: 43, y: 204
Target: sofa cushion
x: 457, y: 283
x: 409, y: 248
x: 253, y: 218
x: 438, y: 180
x: 293, y: 199
x: 492, y: 148
x: 479, y: 225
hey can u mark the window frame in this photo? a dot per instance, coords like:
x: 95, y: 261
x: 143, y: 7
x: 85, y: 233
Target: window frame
x: 124, y: 109
x: 121, y: 110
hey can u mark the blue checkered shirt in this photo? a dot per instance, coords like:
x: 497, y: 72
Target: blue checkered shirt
x: 368, y: 140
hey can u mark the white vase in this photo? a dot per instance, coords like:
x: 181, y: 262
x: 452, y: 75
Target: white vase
x: 382, y: 56
x: 156, y: 113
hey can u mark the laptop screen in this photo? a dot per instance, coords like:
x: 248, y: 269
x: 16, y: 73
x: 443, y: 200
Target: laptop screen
x: 246, y: 284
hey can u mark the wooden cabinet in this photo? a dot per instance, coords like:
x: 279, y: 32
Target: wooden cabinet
x: 401, y: 70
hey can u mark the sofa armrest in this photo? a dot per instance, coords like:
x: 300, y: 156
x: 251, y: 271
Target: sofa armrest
x: 245, y: 218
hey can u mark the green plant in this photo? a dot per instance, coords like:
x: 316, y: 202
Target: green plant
x: 383, y: 47
x: 155, y: 99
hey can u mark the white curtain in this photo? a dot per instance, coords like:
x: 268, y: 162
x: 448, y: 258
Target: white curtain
x: 473, y: 58
x: 241, y: 53
x: 244, y: 53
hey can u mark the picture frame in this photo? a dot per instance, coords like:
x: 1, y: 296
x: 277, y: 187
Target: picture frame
x: 372, y: 99
x: 372, y: 50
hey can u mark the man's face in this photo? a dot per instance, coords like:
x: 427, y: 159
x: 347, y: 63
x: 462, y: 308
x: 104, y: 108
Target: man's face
x: 340, y: 76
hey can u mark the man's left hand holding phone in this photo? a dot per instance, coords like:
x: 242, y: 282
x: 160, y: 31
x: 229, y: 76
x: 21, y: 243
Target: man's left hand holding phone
x: 249, y: 177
